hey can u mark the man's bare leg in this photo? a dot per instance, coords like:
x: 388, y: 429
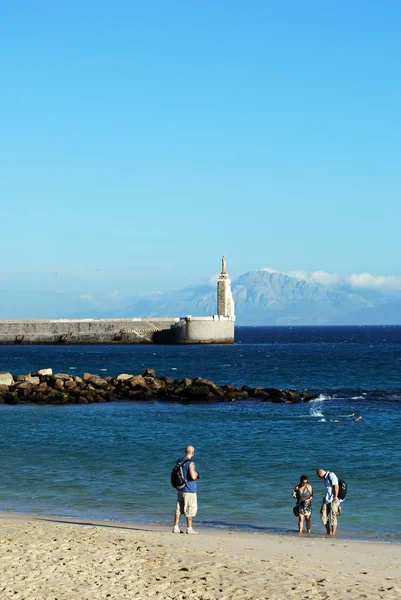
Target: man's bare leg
x: 325, y: 514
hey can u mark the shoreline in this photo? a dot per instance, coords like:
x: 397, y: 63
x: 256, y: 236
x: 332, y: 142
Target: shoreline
x: 49, y: 557
x: 206, y: 529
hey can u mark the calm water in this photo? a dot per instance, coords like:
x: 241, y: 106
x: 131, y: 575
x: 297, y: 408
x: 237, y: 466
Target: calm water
x: 114, y: 460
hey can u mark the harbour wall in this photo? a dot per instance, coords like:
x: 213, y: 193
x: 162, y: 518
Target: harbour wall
x: 85, y: 331
x: 166, y: 330
x: 204, y: 330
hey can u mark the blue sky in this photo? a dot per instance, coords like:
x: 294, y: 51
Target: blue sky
x: 142, y: 140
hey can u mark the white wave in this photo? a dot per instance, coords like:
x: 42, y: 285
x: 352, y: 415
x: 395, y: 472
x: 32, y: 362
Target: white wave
x: 72, y: 368
x: 315, y: 406
x: 103, y: 369
x: 323, y: 397
x: 173, y: 368
x: 315, y: 412
x: 357, y: 398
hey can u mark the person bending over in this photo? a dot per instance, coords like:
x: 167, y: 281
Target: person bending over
x: 330, y: 504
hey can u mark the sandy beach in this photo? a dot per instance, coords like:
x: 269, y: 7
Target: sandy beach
x: 57, y: 559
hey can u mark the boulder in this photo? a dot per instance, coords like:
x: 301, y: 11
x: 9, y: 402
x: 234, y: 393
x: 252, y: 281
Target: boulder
x: 137, y: 381
x: 139, y: 394
x: 124, y: 376
x: 63, y: 376
x: 11, y: 398
x: 215, y: 389
x: 70, y: 384
x: 42, y: 372
x: 271, y: 394
x: 236, y: 395
x: 32, y: 380
x: 150, y: 373
x: 23, y: 385
x: 97, y: 382
x: 198, y: 392
x: 6, y: 378
x: 179, y: 385
x: 24, y: 389
x: 58, y: 384
x: 152, y: 383
x: 169, y: 392
x: 41, y: 398
x: 21, y: 377
x: 292, y: 397
x: 307, y: 396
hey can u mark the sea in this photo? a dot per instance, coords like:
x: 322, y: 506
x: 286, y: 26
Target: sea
x: 113, y: 461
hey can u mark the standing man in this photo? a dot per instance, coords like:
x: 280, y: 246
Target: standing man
x: 331, y: 502
x: 186, y: 499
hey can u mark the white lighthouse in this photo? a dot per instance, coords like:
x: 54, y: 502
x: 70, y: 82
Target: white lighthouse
x: 225, y: 300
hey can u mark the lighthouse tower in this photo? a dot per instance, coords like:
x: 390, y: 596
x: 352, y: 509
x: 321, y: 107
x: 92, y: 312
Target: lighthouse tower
x: 225, y: 301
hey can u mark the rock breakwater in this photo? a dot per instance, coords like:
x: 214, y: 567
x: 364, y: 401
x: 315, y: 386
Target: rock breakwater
x: 46, y: 387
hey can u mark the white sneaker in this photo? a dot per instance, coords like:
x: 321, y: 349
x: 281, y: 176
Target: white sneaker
x: 191, y: 531
x: 176, y: 529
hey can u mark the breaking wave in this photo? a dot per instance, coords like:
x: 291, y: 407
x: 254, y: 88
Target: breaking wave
x: 316, y: 406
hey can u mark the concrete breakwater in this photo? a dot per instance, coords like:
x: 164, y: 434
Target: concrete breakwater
x: 44, y: 387
x: 165, y: 330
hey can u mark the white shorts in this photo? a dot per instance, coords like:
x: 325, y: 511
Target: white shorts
x: 187, y: 504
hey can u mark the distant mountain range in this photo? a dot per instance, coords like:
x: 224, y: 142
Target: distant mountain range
x: 270, y: 298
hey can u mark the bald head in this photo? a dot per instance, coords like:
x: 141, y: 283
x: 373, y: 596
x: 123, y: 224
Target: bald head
x: 189, y: 451
x: 320, y: 473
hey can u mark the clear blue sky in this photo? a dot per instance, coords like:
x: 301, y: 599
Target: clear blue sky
x: 142, y: 140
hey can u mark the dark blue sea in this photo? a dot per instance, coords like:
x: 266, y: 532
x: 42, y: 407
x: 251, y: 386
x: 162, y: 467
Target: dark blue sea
x: 113, y: 461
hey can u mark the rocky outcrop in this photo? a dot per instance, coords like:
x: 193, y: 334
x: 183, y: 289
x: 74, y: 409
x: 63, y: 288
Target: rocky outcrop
x: 44, y: 387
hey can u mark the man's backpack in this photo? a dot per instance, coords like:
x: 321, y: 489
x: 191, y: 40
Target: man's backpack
x: 178, y: 480
x: 342, y: 488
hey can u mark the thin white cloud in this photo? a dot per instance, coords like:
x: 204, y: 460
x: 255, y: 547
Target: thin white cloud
x: 354, y: 281
x: 376, y: 282
x: 320, y: 277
